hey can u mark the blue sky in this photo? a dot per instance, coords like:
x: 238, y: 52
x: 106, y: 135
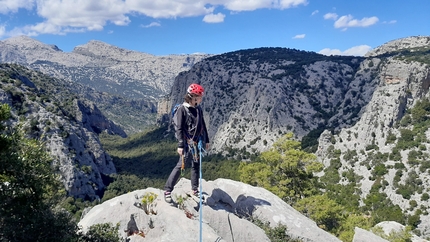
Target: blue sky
x: 163, y: 27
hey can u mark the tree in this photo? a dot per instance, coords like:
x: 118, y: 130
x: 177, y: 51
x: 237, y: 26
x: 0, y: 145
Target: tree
x: 106, y: 232
x: 324, y: 211
x: 285, y: 170
x: 27, y: 190
x: 347, y: 228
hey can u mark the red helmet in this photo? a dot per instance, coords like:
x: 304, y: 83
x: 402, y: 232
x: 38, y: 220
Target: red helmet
x: 196, y: 89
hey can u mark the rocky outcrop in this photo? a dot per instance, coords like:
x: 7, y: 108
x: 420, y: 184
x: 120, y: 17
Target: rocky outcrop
x: 226, y: 214
x: 408, y: 43
x: 361, y: 235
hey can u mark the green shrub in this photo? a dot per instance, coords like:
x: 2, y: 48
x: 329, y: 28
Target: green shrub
x: 105, y: 232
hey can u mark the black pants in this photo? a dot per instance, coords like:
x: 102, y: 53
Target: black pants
x: 176, y: 172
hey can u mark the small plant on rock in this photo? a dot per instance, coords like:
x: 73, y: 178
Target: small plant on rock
x: 148, y: 204
x: 180, y: 200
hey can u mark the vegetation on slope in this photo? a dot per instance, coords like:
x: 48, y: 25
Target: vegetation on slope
x: 30, y: 193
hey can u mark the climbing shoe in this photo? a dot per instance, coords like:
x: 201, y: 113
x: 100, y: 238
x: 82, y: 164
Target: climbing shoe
x: 196, y: 193
x: 168, y: 197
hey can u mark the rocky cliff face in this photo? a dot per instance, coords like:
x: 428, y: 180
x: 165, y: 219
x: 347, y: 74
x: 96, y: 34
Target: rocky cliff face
x: 69, y: 126
x: 398, y: 84
x: 253, y: 97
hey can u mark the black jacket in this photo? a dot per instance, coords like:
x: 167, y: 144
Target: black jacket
x: 191, y: 124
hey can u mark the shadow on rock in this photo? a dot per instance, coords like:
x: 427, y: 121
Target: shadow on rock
x: 243, y: 207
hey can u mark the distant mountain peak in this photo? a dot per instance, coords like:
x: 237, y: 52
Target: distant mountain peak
x: 402, y: 43
x: 100, y: 48
x: 27, y: 42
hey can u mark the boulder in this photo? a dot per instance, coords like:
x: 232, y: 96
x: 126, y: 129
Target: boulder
x: 227, y: 211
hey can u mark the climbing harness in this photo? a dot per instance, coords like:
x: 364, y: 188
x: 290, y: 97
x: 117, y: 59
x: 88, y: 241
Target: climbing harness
x: 193, y: 148
x: 194, y: 152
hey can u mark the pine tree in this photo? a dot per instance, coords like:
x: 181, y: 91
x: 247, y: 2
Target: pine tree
x: 285, y: 170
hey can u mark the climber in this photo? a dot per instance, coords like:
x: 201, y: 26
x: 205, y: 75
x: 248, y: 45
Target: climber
x: 192, y: 136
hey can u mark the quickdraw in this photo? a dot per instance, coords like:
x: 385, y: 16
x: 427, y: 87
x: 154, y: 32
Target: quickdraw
x: 193, y: 148
x: 183, y: 165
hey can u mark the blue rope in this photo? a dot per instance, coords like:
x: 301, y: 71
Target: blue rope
x: 201, y: 150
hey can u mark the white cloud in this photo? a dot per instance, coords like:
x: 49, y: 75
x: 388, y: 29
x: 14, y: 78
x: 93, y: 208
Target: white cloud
x: 240, y: 5
x: 390, y: 22
x: 359, y: 50
x: 214, y: 18
x: 63, y: 16
x: 251, y: 5
x: 153, y: 24
x: 89, y: 14
x: 327, y: 51
x: 315, y: 12
x: 170, y: 8
x: 291, y: 3
x: 347, y: 21
x: 299, y: 36
x: 330, y: 16
x: 7, y: 6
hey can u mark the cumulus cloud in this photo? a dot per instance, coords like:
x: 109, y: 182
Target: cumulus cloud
x: 390, y: 22
x: 11, y: 6
x: 153, y: 24
x: 299, y: 36
x: 359, y: 50
x: 63, y: 16
x: 241, y: 5
x: 169, y: 8
x: 348, y: 21
x: 89, y: 14
x: 214, y: 18
x: 330, y: 16
x: 291, y: 3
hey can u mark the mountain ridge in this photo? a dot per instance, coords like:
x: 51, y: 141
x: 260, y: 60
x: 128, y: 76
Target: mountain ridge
x: 114, y: 71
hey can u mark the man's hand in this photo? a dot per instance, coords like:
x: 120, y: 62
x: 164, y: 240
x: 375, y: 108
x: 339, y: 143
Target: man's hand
x: 180, y: 151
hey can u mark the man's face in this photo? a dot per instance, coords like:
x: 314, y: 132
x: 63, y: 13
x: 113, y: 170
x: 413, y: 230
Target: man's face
x: 197, y: 100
